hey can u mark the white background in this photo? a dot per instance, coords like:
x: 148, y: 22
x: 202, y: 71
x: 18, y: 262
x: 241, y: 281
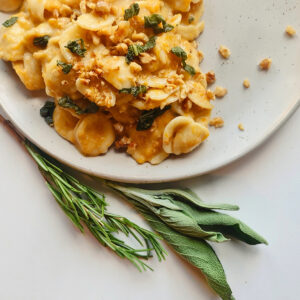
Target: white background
x: 42, y: 256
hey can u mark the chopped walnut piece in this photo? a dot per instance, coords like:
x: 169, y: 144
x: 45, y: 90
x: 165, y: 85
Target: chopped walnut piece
x: 224, y: 52
x: 210, y: 77
x: 147, y: 58
x: 290, y: 30
x: 124, y: 142
x: 135, y: 68
x: 246, y: 83
x: 120, y: 49
x: 119, y: 128
x: 139, y: 37
x: 220, y: 92
x: 241, y: 127
x: 265, y: 64
x: 216, y: 122
x: 210, y: 95
x: 103, y: 7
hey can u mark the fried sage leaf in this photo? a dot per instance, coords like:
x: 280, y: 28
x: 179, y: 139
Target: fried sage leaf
x: 41, y: 41
x: 135, y: 50
x: 47, y: 112
x: 135, y: 90
x: 157, y: 23
x: 67, y: 102
x: 10, y: 22
x: 179, y: 52
x: 133, y: 10
x: 66, y: 68
x: 147, y: 118
x: 77, y: 47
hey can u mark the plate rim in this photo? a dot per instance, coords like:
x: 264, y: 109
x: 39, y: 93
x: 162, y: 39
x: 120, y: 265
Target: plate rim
x: 292, y: 108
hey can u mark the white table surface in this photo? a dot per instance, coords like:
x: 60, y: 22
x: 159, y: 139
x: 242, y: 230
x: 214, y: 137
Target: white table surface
x: 42, y: 256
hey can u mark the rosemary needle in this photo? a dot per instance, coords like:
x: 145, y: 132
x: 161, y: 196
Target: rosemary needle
x: 84, y: 205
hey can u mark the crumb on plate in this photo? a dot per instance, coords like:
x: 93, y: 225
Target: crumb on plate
x: 246, y: 83
x: 265, y: 64
x: 224, y: 52
x: 241, y: 127
x: 210, y: 77
x: 216, y: 122
x: 220, y: 92
x: 290, y: 30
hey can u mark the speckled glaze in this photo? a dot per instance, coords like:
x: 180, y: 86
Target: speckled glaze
x: 252, y: 30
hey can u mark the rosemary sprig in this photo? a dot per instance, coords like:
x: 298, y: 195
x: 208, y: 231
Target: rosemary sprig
x: 84, y: 205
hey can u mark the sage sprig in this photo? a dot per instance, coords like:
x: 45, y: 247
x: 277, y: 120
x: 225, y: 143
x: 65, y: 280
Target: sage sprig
x: 196, y: 251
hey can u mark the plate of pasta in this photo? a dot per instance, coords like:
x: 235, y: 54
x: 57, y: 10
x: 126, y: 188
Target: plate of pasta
x: 149, y: 90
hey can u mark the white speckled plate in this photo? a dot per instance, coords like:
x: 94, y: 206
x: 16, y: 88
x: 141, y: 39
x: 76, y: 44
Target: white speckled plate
x: 252, y: 30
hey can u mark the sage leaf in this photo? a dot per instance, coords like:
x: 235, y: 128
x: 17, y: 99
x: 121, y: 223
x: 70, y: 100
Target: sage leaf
x: 167, y: 196
x: 132, y: 11
x: 187, y: 225
x: 41, y: 41
x: 197, y: 252
x: 154, y: 21
x: 77, y: 47
x: 10, y: 22
x: 135, y: 90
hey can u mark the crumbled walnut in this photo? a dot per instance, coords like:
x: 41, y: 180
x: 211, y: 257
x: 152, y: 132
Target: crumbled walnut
x: 135, y: 68
x: 216, y: 122
x: 210, y: 95
x: 120, y: 49
x: 64, y: 82
x: 246, y: 83
x: 290, y: 30
x: 210, y: 77
x: 241, y: 127
x: 103, y: 7
x: 124, y: 142
x: 220, y: 92
x: 224, y: 52
x: 139, y: 37
x: 119, y: 128
x: 201, y: 56
x: 147, y: 58
x: 265, y: 64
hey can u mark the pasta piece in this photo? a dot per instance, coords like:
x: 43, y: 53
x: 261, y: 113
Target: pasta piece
x: 181, y: 5
x: 10, y: 5
x: 72, y: 33
x: 96, y: 91
x: 12, y: 46
x: 64, y: 123
x: 197, y: 94
x: 146, y: 146
x: 94, y: 23
x: 117, y: 72
x: 94, y: 134
x: 190, y: 32
x: 29, y: 71
x: 183, y: 135
x: 36, y: 8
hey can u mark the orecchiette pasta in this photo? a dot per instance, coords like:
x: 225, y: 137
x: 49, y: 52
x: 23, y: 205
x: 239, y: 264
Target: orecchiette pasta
x: 94, y: 134
x: 132, y: 81
x: 183, y: 135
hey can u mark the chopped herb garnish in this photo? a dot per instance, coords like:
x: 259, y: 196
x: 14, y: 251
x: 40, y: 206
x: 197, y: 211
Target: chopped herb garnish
x: 135, y: 49
x: 67, y: 102
x: 41, y: 41
x: 10, y: 22
x: 189, y: 68
x: 157, y: 23
x: 77, y: 47
x: 179, y: 52
x: 66, y: 68
x: 135, y: 91
x: 191, y: 19
x: 132, y: 11
x: 148, y: 117
x: 47, y: 112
